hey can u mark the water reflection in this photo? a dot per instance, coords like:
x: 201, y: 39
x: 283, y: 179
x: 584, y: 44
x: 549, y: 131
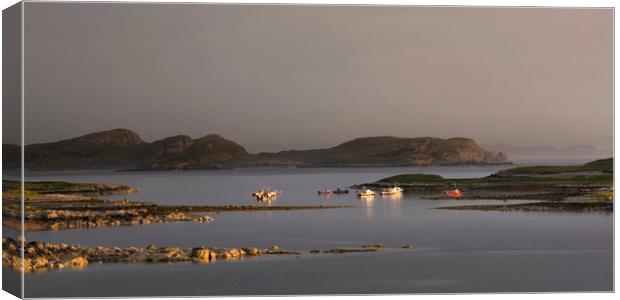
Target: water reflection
x: 392, y: 203
x: 390, y: 219
x: 394, y: 197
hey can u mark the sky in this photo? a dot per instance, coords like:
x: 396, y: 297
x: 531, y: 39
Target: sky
x: 299, y: 77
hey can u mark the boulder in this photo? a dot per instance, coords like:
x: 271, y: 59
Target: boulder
x: 201, y: 254
x: 79, y: 262
x: 40, y: 262
x: 253, y: 251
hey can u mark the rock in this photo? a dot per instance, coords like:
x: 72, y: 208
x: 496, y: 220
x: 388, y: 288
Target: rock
x: 175, y: 216
x: 151, y: 247
x: 16, y: 264
x: 253, y: 251
x: 30, y: 251
x: 232, y: 253
x: 40, y: 262
x: 170, y: 250
x: 201, y: 254
x: 315, y: 251
x: 408, y: 247
x: 79, y: 262
x: 212, y: 256
x: 204, y: 219
x: 378, y: 245
x: 11, y: 245
x: 352, y: 250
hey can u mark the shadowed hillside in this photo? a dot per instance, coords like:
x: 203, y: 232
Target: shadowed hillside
x: 124, y: 149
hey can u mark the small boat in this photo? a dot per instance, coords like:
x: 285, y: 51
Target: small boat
x: 266, y: 194
x: 456, y: 193
x: 392, y: 190
x: 366, y: 193
x: 325, y: 192
x: 340, y: 191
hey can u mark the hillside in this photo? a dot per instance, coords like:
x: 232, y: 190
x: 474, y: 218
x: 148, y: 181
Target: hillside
x: 392, y: 151
x: 125, y: 149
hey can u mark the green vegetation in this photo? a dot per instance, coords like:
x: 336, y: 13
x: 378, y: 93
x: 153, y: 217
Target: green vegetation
x: 517, y: 180
x: 47, y: 186
x: 522, y: 176
x: 601, y: 196
x: 60, y: 190
x: 422, y: 178
x: 601, y: 165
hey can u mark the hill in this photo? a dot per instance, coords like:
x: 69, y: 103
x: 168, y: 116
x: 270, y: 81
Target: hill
x: 125, y: 149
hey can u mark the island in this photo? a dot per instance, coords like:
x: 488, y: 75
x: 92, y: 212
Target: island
x: 123, y: 149
x: 575, y: 188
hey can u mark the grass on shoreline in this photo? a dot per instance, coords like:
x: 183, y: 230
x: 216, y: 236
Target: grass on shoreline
x: 601, y: 165
x: 535, y: 175
x: 9, y: 185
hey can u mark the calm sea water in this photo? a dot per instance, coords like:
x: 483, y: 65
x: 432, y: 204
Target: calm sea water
x: 456, y: 251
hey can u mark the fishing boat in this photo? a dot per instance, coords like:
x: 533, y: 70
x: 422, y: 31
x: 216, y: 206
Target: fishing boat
x: 392, y: 190
x: 266, y: 194
x: 366, y: 193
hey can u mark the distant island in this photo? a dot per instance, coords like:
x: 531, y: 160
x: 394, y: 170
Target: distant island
x: 124, y: 149
x: 538, y: 151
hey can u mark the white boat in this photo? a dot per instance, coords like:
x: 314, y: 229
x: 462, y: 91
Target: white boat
x: 266, y: 194
x: 366, y: 193
x: 392, y: 190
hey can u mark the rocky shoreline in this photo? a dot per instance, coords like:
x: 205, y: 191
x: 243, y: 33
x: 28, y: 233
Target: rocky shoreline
x: 63, y: 205
x: 44, y: 257
x: 103, y: 214
x: 577, y: 188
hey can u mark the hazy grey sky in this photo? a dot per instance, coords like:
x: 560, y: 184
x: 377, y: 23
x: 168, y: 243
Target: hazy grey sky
x: 278, y: 77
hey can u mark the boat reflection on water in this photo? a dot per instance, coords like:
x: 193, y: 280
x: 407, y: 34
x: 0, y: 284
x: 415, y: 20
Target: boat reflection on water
x: 396, y: 197
x: 368, y: 201
x: 393, y: 202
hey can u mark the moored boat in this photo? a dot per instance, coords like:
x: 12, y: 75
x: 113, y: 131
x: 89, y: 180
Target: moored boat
x: 266, y: 194
x: 325, y: 192
x: 366, y: 193
x: 392, y: 190
x: 456, y: 193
